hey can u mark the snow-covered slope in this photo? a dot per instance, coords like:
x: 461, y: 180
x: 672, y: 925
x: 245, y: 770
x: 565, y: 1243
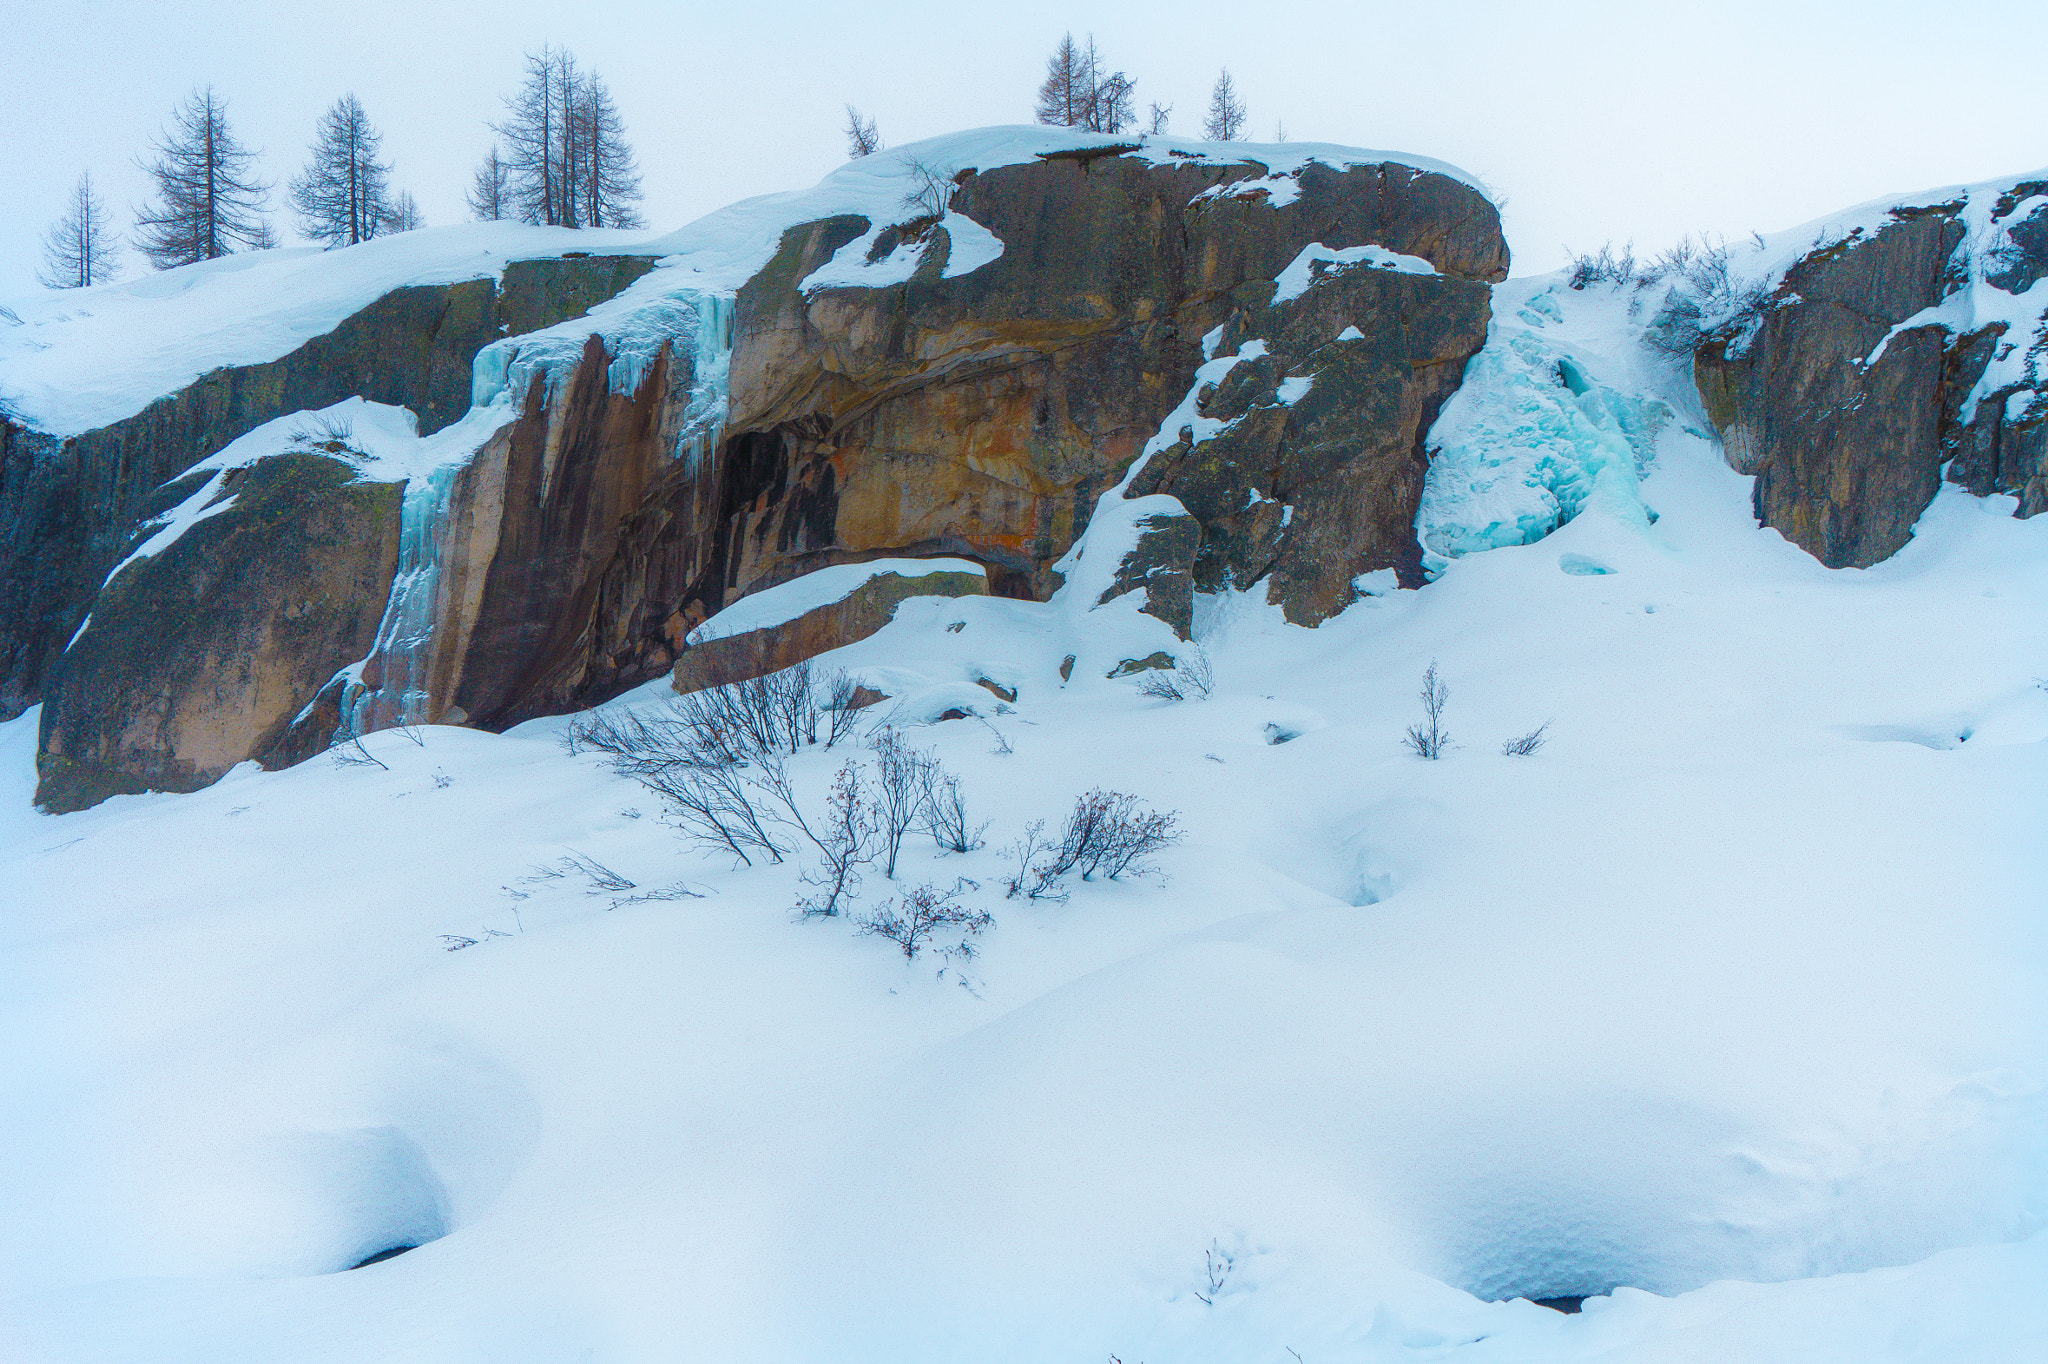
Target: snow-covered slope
x: 74, y: 360
x: 1742, y: 977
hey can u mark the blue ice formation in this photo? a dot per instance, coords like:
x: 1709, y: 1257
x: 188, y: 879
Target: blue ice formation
x: 1533, y: 437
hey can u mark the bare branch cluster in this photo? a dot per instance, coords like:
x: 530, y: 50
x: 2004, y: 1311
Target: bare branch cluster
x: 1108, y: 833
x: 1191, y: 678
x: 1429, y: 739
x: 920, y: 913
x: 565, y: 153
x: 1526, y: 745
x: 1079, y: 91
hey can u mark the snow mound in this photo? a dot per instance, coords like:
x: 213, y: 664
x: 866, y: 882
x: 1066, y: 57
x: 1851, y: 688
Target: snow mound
x: 784, y: 602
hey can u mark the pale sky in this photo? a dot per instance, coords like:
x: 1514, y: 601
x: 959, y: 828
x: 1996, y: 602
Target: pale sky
x: 1594, y: 122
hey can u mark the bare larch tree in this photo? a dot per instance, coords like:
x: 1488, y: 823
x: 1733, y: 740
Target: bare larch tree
x: 1226, y: 111
x: 342, y: 195
x: 211, y: 200
x: 861, y: 137
x: 1078, y: 93
x: 403, y: 214
x: 566, y: 154
x: 79, y: 249
x: 490, y: 192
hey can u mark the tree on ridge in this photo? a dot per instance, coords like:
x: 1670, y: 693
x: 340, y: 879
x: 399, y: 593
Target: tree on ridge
x: 343, y: 196
x: 211, y: 200
x: 566, y: 157
x: 490, y: 191
x: 1226, y: 112
x: 79, y: 249
x: 861, y: 137
x: 1078, y: 93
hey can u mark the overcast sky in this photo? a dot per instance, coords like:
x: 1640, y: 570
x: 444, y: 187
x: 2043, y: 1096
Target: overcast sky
x: 1591, y: 121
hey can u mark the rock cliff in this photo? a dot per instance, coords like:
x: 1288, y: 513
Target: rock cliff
x: 965, y: 375
x: 1891, y: 350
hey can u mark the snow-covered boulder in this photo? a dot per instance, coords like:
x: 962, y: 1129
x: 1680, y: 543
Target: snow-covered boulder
x: 823, y: 610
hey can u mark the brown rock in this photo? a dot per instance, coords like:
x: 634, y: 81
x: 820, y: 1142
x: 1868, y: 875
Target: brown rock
x: 757, y: 653
x: 199, y: 657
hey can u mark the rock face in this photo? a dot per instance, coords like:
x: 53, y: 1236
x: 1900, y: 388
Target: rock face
x: 979, y: 414
x: 1317, y: 473
x: 1847, y: 450
x: 67, y: 508
x: 199, y: 657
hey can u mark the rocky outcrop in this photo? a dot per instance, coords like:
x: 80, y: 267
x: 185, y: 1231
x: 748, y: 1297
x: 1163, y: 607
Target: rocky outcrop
x: 1317, y: 472
x: 198, y: 657
x: 1859, y: 379
x: 979, y: 413
x: 746, y: 654
x: 68, y: 507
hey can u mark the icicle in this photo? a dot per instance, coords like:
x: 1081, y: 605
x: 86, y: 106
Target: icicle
x: 405, y: 636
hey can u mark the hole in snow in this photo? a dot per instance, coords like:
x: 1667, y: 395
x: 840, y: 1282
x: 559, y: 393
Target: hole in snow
x: 1582, y: 565
x: 1280, y: 734
x: 393, y: 1252
x: 1568, y: 1304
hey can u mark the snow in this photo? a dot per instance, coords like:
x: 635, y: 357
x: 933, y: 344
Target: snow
x: 1731, y: 1003
x: 1736, y: 980
x: 1301, y: 273
x: 77, y: 359
x: 784, y: 602
x: 970, y: 246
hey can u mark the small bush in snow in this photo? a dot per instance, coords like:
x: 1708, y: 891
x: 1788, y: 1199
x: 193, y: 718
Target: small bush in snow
x: 1032, y: 879
x: 1606, y: 267
x: 346, y: 748
x: 845, y: 840
x: 923, y: 913
x: 1429, y: 739
x: 945, y: 812
x: 1191, y: 678
x: 1111, y: 834
x: 1527, y: 744
x: 901, y: 775
x: 931, y: 190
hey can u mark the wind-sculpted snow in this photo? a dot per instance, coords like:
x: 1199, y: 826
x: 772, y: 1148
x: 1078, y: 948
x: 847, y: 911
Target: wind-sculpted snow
x: 1729, y: 1000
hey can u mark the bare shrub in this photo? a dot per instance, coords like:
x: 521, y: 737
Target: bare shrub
x: 930, y: 191
x: 346, y: 748
x: 1110, y: 833
x: 1030, y: 877
x: 901, y: 776
x: 718, y: 807
x: 1527, y: 744
x: 923, y: 912
x: 842, y: 717
x: 1190, y: 679
x: 1429, y: 739
x: 1606, y: 266
x: 602, y: 880
x: 944, y: 812
x: 1003, y: 748
x: 1217, y: 1264
x: 844, y: 841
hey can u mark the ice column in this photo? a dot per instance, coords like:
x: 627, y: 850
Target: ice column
x: 402, y: 654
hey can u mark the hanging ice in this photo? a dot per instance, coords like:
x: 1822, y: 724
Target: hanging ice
x: 1540, y: 428
x: 405, y: 637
